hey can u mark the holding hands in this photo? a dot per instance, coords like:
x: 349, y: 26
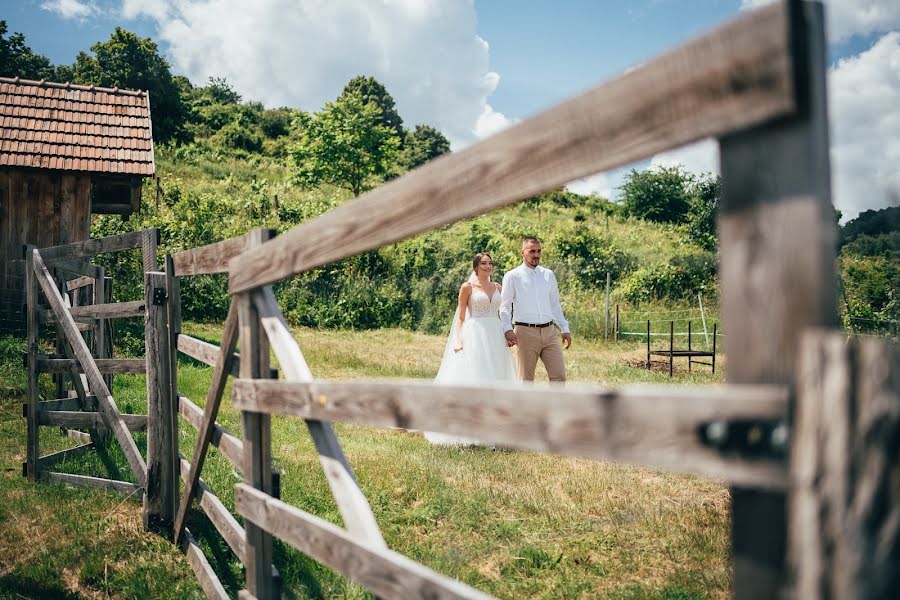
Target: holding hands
x: 511, y: 338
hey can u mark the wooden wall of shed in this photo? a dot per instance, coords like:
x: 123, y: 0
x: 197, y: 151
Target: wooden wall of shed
x: 39, y: 207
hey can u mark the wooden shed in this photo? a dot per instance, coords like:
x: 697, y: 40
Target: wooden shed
x: 66, y: 151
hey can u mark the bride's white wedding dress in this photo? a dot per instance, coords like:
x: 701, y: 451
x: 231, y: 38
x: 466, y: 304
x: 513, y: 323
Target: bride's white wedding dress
x: 485, y: 358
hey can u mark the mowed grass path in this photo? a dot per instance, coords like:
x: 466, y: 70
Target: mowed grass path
x: 515, y: 524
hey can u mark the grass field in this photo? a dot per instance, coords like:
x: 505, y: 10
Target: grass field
x: 515, y: 524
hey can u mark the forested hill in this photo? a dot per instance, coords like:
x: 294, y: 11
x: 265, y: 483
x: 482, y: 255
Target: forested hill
x: 226, y: 165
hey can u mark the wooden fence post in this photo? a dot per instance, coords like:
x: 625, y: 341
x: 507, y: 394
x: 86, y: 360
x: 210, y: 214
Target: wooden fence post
x: 776, y: 232
x: 257, y: 438
x: 162, y: 438
x: 32, y: 454
x: 844, y: 538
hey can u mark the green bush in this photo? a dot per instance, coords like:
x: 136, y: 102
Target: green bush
x: 684, y: 277
x: 591, y: 258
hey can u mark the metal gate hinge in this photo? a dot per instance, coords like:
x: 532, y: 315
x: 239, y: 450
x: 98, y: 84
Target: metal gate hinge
x: 159, y: 296
x: 750, y: 437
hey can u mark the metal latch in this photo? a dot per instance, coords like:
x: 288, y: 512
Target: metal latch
x: 159, y: 296
x: 749, y: 437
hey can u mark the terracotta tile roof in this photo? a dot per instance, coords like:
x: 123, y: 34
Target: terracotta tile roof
x: 75, y: 128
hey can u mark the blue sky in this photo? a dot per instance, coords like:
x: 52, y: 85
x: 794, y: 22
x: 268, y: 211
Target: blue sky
x: 472, y: 67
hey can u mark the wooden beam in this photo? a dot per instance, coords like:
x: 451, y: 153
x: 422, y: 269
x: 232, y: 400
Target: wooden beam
x: 111, y: 416
x: 123, y: 487
x: 114, y: 243
x: 32, y: 323
x: 658, y: 426
x: 80, y: 267
x: 351, y: 500
x: 383, y: 572
x: 224, y: 522
x: 212, y: 258
x: 206, y: 353
x: 738, y: 76
x: 845, y: 501
x: 149, y: 240
x: 776, y: 253
x: 207, y: 577
x: 78, y: 282
x: 210, y: 412
x: 231, y: 446
x: 116, y: 310
x: 162, y: 437
x: 70, y: 419
x: 68, y: 404
x: 63, y: 455
x: 121, y: 366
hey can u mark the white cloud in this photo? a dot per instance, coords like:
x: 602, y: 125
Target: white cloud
x: 301, y: 53
x: 69, y: 9
x: 864, y: 92
x: 699, y: 157
x: 847, y: 18
x: 490, y: 122
x: 595, y: 184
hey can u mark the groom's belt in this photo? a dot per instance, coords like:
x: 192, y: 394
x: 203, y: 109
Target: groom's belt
x: 517, y: 323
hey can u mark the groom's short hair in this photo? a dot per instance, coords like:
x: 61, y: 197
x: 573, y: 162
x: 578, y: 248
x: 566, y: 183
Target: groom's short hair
x: 531, y: 239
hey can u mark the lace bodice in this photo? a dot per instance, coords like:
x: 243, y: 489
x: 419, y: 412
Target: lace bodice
x: 481, y: 306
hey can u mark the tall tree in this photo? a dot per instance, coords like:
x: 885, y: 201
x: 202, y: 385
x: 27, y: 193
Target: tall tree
x: 346, y: 144
x: 422, y: 144
x: 661, y: 194
x: 705, y: 192
x: 18, y: 60
x: 129, y: 61
x: 371, y: 90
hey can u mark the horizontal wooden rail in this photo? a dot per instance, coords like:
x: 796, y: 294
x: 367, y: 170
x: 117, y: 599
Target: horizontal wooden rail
x: 206, y: 353
x: 209, y: 582
x: 79, y: 282
x: 224, y: 522
x: 107, y: 366
x: 66, y: 404
x: 230, y: 446
x: 740, y: 75
x: 116, y: 310
x: 113, y: 485
x: 383, y: 572
x: 658, y: 426
x: 80, y: 267
x: 71, y: 419
x: 49, y: 460
x: 212, y: 258
x: 114, y: 243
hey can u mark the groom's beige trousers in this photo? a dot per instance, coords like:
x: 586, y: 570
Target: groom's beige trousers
x: 543, y: 343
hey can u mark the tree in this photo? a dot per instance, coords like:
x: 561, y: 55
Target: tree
x: 220, y: 91
x: 130, y: 62
x: 703, y: 208
x: 346, y: 144
x: 371, y: 91
x: 423, y: 144
x: 18, y: 60
x: 661, y: 194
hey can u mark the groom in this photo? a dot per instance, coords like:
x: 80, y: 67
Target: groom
x: 531, y: 291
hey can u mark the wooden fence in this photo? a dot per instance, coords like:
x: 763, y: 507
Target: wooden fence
x: 805, y: 433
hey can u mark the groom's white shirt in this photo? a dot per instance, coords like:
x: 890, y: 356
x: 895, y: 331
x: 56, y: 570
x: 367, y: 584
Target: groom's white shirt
x: 534, y: 296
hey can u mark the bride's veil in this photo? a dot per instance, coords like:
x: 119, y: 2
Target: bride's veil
x: 449, y: 354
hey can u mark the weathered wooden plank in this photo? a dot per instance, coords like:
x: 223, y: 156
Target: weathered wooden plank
x: 80, y: 267
x: 78, y: 282
x: 210, y: 412
x: 381, y: 571
x: 79, y: 436
x: 134, y: 366
x: 210, y: 583
x: 777, y: 233
x: 65, y: 418
x: 116, y: 310
x: 131, y: 489
x: 111, y: 416
x: 93, y: 247
x: 74, y: 403
x: 351, y: 500
x: 738, y: 76
x: 162, y: 438
x: 225, y: 523
x: 845, y: 499
x: 206, y: 353
x: 32, y: 443
x: 230, y: 446
x: 63, y: 455
x: 659, y: 426
x: 149, y: 240
x: 212, y: 258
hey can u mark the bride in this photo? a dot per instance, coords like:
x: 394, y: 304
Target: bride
x: 476, y: 350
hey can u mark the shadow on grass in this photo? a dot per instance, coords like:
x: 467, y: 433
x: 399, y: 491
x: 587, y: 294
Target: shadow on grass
x: 19, y: 586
